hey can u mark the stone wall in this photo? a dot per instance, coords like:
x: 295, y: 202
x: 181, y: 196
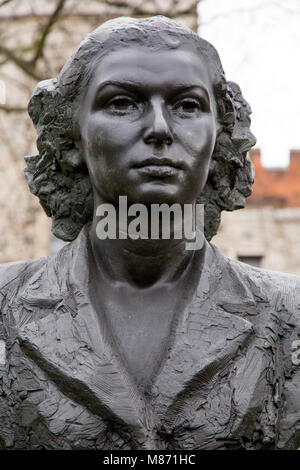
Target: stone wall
x: 267, y: 232
x: 25, y: 229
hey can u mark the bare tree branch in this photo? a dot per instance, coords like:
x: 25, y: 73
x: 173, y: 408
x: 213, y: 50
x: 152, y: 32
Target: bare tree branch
x: 4, y: 62
x: 22, y: 64
x: 5, y: 2
x: 12, y: 109
x: 29, y: 66
x: 40, y: 44
x: 65, y: 16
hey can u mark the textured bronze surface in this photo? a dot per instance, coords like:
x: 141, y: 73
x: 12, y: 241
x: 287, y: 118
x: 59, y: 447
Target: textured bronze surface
x: 140, y: 344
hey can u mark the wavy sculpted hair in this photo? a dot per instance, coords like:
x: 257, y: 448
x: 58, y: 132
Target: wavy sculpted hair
x: 59, y: 176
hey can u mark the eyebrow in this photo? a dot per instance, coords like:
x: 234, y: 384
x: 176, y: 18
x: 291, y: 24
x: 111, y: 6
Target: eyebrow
x: 134, y: 85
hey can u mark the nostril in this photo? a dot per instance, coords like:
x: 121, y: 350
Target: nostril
x: 159, y: 137
x: 154, y: 139
x: 168, y: 140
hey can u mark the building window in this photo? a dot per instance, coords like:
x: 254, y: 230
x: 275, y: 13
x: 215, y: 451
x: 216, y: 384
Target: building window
x: 252, y: 260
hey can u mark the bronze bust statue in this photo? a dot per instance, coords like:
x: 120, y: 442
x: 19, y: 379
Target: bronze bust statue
x: 141, y: 344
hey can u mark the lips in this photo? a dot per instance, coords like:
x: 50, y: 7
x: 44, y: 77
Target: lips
x: 158, y: 171
x: 159, y: 167
x: 160, y: 162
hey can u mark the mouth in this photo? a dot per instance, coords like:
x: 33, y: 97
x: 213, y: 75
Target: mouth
x: 159, y: 167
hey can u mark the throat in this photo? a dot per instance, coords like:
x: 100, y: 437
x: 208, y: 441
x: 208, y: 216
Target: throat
x: 142, y: 328
x: 141, y: 324
x: 141, y: 263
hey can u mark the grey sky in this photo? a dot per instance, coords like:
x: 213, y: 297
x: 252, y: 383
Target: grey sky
x: 259, y: 45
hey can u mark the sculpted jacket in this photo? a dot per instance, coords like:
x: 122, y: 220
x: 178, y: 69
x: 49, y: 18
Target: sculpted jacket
x: 231, y: 379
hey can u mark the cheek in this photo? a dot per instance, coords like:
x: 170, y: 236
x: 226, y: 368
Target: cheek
x: 108, y: 136
x: 199, y: 141
x: 198, y: 138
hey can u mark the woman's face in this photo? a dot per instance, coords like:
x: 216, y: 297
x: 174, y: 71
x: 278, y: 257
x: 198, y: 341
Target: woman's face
x: 148, y: 125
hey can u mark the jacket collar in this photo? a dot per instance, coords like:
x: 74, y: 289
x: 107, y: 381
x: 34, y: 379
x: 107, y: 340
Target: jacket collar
x: 63, y: 336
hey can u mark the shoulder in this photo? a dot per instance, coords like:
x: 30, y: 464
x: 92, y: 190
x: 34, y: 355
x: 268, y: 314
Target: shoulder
x: 270, y: 300
x: 17, y: 278
x: 266, y: 275
x: 43, y: 282
x: 246, y: 270
x: 281, y: 291
x: 263, y: 284
x: 15, y: 274
x: 272, y: 284
x: 37, y: 286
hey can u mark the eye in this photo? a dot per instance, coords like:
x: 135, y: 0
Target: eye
x: 121, y: 105
x: 188, y: 107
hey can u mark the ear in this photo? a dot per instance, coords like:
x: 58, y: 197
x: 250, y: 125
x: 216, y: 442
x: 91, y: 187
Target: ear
x: 73, y: 158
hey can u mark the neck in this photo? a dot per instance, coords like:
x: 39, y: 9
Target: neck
x: 141, y: 262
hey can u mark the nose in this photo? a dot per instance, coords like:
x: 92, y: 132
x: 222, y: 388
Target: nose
x: 158, y: 130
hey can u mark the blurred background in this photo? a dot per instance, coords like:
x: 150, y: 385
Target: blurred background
x: 258, y: 41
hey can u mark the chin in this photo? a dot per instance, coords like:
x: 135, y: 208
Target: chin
x: 158, y: 192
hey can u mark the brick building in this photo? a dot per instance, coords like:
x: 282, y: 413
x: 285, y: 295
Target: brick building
x: 267, y: 232
x: 276, y: 187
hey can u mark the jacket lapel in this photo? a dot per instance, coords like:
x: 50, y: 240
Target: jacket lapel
x: 73, y: 352
x: 206, y: 342
x: 74, y: 348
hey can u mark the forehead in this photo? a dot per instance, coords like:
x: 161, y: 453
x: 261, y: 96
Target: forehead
x: 158, y: 68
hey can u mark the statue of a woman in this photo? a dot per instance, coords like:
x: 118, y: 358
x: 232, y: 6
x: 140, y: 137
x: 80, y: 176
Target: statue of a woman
x: 139, y: 343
